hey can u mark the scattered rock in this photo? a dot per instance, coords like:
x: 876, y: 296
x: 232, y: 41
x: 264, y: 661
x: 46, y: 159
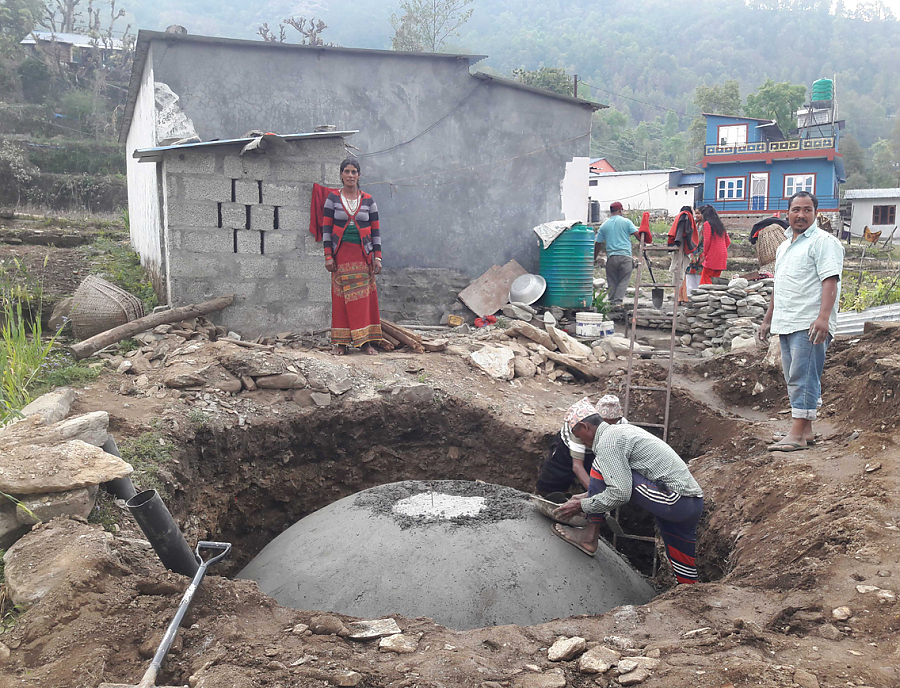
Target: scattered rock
x: 417, y: 394
x: 252, y: 362
x: 60, y: 314
x: 865, y: 589
x: 303, y: 397
x: 321, y: 398
x: 516, y: 313
x: 53, y: 554
x: 829, y: 632
x: 4, y: 654
x: 598, y: 660
x: 619, y: 642
x: 399, y: 643
x: 533, y: 333
x: 182, y: 380
x: 804, y: 679
x: 886, y: 597
x: 841, y: 613
x: 345, y: 678
x: 523, y: 367
x: 52, y: 406
x: 378, y: 628
x: 282, y: 381
x: 338, y: 387
x: 248, y: 383
x: 328, y: 624
x: 37, y: 508
x: 757, y: 388
x: 632, y: 678
x: 32, y: 469
x: 495, y: 361
x: 550, y: 679
x: 565, y: 649
x: 300, y: 629
x: 123, y: 367
x: 567, y: 344
x: 10, y: 527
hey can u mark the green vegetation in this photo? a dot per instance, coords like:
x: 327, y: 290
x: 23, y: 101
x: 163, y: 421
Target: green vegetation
x: 148, y: 453
x: 105, y: 512
x: 22, y: 356
x: 117, y: 262
x: 550, y: 78
x: 601, y: 303
x: 857, y: 293
x: 60, y: 369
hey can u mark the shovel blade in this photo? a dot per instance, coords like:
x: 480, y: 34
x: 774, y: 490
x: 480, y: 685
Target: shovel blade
x: 656, y: 296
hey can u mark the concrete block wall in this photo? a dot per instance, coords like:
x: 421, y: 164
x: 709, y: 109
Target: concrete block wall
x: 241, y: 225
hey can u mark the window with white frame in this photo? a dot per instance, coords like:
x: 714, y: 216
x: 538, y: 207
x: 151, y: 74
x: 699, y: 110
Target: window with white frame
x: 799, y: 182
x: 733, y: 135
x: 730, y: 188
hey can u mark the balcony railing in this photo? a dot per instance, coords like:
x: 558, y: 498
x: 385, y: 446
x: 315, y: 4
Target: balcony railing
x: 764, y: 204
x: 773, y: 146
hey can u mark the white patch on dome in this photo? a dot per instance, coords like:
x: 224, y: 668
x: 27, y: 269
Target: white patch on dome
x: 436, y: 505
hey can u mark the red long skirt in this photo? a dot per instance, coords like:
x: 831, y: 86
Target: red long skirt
x: 707, y: 275
x: 355, y: 320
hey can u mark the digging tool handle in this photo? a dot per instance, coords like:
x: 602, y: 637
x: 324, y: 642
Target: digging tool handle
x: 223, y: 548
x: 649, y: 267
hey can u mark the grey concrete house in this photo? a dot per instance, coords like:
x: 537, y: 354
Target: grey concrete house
x: 462, y: 166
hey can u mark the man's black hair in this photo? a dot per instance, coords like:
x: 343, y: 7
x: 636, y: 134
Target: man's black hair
x: 804, y: 194
x: 593, y: 420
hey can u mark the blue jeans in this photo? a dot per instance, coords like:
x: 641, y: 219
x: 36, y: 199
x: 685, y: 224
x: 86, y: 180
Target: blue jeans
x: 802, y: 363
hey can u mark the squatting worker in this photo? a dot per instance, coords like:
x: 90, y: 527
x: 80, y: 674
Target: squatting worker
x: 803, y: 312
x: 569, y: 460
x: 615, y: 234
x: 631, y: 465
x: 352, y: 238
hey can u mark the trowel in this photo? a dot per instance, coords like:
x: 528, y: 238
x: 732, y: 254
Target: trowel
x: 656, y: 294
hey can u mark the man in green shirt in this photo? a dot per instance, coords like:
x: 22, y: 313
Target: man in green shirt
x: 615, y: 234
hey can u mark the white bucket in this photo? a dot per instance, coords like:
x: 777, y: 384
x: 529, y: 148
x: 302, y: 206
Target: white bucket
x: 593, y: 325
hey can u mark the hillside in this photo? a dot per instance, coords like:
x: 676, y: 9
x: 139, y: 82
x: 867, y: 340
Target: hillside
x: 645, y: 59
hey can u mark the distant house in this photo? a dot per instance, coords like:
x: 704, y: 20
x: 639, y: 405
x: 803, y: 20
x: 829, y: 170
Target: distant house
x: 660, y: 190
x: 71, y: 48
x: 601, y: 165
x: 751, y: 168
x: 873, y: 208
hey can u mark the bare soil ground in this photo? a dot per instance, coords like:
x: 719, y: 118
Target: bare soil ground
x: 787, y: 538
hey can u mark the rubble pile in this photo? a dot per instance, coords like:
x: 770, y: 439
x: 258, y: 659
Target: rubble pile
x: 726, y: 316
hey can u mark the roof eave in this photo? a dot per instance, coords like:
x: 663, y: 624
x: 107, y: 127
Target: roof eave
x: 157, y: 154
x: 539, y: 91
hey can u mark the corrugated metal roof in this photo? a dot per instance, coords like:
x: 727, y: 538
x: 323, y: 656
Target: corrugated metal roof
x: 155, y: 154
x: 693, y: 179
x: 77, y: 39
x: 856, y: 194
x: 853, y: 322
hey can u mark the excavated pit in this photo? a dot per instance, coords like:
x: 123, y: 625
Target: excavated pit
x: 247, y: 485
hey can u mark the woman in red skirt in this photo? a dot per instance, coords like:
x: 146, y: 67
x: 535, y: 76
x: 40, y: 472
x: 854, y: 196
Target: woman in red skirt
x: 715, y: 245
x: 352, y: 238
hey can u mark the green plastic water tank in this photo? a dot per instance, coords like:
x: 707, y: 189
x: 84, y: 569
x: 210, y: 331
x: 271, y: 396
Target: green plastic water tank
x: 823, y: 89
x: 568, y: 266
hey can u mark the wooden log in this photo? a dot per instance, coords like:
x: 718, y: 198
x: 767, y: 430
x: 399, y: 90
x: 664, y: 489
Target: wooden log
x: 384, y: 344
x: 148, y: 322
x: 400, y: 328
x: 404, y: 336
x: 248, y: 345
x: 434, y: 345
x: 388, y: 338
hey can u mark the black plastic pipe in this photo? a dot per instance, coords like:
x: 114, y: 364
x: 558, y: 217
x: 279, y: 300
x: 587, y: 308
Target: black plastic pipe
x: 122, y: 488
x: 154, y: 518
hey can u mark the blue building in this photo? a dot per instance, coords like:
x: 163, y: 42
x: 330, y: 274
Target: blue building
x: 751, y: 167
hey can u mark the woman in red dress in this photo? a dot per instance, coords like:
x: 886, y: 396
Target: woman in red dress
x: 715, y: 245
x: 352, y: 238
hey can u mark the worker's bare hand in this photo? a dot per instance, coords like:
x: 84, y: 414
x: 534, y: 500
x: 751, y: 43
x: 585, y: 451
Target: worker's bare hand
x: 569, y: 509
x: 818, y: 331
x: 764, y: 327
x: 329, y: 264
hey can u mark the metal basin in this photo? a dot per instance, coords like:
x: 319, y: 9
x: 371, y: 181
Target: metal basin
x: 527, y: 289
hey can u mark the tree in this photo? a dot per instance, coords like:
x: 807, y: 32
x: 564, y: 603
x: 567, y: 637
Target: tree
x: 776, y: 101
x: 62, y: 16
x: 310, y: 32
x: 854, y: 157
x: 19, y: 17
x: 550, y: 78
x: 719, y: 100
x: 426, y: 24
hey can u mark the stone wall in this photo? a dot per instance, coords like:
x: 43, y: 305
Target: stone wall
x: 719, y: 313
x: 241, y: 225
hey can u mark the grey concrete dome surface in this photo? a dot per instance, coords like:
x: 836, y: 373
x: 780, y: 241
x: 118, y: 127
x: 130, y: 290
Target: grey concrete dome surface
x: 360, y: 556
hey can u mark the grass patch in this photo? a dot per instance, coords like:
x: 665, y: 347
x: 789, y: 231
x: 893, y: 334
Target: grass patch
x: 115, y: 261
x: 148, y: 453
x: 60, y: 369
x: 858, y: 294
x: 105, y: 512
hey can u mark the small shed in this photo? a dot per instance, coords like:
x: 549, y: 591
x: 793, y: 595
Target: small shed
x: 873, y: 208
x: 639, y: 190
x: 233, y: 223
x: 72, y: 48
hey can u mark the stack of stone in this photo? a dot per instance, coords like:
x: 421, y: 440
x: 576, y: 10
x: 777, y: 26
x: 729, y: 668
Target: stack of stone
x: 720, y: 314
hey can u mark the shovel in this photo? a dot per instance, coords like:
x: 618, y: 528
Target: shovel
x: 149, y: 678
x: 656, y: 294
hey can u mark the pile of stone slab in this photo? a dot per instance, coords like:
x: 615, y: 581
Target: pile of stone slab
x: 52, y: 465
x: 726, y: 316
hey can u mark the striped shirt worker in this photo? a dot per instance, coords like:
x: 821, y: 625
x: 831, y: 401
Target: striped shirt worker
x: 618, y: 450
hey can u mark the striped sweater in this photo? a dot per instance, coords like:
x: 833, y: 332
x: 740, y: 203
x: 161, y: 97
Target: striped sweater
x: 620, y: 448
x: 335, y: 220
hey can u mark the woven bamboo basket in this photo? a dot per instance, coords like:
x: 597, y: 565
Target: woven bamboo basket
x: 767, y: 242
x: 98, y: 306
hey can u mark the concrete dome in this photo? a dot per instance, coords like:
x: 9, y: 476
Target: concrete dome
x: 480, y: 556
